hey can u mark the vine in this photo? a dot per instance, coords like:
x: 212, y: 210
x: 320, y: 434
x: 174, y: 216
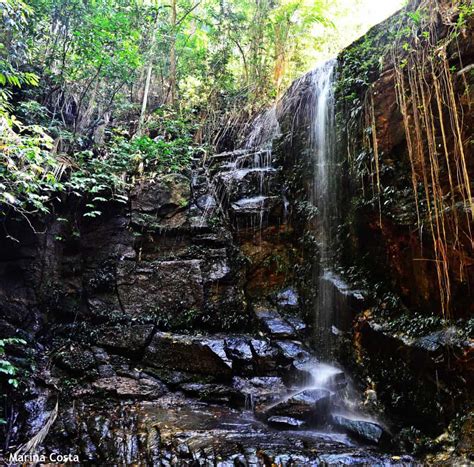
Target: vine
x: 432, y: 120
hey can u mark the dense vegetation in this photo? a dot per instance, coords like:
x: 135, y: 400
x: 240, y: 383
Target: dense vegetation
x: 94, y: 93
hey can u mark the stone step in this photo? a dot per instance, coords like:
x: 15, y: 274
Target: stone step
x: 310, y: 405
x: 247, y: 183
x: 272, y: 323
x: 242, y: 158
x: 257, y: 212
x: 223, y: 157
x: 258, y: 159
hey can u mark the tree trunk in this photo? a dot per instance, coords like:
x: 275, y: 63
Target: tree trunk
x: 145, y: 95
x: 172, y: 76
x: 148, y: 78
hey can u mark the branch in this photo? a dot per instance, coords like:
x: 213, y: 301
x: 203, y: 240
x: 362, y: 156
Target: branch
x: 187, y: 13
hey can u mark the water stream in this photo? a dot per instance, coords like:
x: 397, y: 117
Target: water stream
x: 325, y: 197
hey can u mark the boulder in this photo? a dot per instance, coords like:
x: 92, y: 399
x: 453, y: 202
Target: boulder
x: 266, y: 356
x: 129, y: 339
x: 239, y: 351
x: 215, y: 393
x: 247, y: 182
x: 274, y: 324
x: 145, y: 288
x: 76, y: 360
x: 260, y: 391
x: 124, y: 387
x: 287, y: 299
x: 297, y: 323
x: 218, y: 267
x: 346, y: 301
x: 293, y: 350
x: 362, y: 429
x: 256, y: 211
x: 206, y: 202
x: 310, y: 405
x: 161, y: 197
x: 187, y: 354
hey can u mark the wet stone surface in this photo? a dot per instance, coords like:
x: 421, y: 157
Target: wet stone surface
x: 363, y: 429
x: 174, y: 430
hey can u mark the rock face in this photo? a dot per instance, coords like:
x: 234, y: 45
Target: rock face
x: 154, y: 299
x: 380, y: 245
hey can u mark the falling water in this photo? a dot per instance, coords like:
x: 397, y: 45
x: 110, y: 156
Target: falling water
x: 264, y: 128
x: 324, y: 197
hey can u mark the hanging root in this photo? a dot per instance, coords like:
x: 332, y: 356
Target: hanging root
x: 432, y: 119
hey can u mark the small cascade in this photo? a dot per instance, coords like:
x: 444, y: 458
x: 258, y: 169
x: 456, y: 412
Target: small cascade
x: 245, y: 180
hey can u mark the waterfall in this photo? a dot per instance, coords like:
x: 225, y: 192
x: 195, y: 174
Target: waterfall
x: 264, y: 129
x: 325, y: 197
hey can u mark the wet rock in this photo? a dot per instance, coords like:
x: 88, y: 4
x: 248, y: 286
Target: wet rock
x: 123, y: 387
x: 106, y: 371
x: 217, y: 265
x: 38, y: 411
x: 299, y: 373
x: 130, y: 339
x: 218, y: 346
x: 260, y: 390
x: 147, y: 287
x: 100, y: 355
x: 188, y: 354
x: 206, y: 202
x: 438, y: 340
x: 285, y: 422
x: 365, y: 430
x: 76, y: 360
x: 293, y: 350
x: 354, y: 459
x: 310, y: 405
x: 274, y: 324
x: 347, y: 302
x: 287, y: 299
x: 297, y: 323
x: 239, y: 351
x: 247, y: 182
x: 175, y: 379
x: 215, y: 393
x: 417, y: 359
x: 256, y: 212
x: 211, y: 240
x: 266, y: 356
x: 161, y: 197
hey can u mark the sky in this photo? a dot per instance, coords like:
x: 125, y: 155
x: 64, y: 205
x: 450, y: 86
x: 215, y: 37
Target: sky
x: 378, y: 10
x: 351, y: 19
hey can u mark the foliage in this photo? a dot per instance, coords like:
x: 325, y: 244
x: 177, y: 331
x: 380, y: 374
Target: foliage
x: 29, y: 173
x: 6, y: 366
x: 83, y: 85
x: 95, y: 64
x: 108, y: 174
x: 13, y: 20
